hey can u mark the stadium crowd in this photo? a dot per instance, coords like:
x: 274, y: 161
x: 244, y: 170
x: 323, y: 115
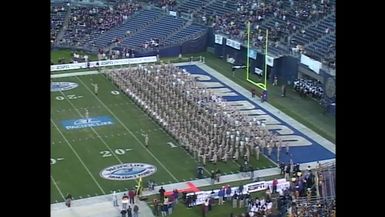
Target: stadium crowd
x: 286, y: 17
x: 284, y: 20
x: 58, y: 13
x: 210, y: 129
x: 307, y: 195
x: 86, y: 23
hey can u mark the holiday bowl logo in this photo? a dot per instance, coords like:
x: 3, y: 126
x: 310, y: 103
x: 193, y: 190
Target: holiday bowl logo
x: 128, y: 171
x: 62, y: 86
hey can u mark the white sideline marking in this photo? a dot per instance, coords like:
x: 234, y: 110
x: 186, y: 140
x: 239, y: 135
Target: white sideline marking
x: 57, y: 187
x: 70, y: 74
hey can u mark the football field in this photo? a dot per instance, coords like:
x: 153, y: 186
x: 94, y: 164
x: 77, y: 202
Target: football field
x: 98, y: 144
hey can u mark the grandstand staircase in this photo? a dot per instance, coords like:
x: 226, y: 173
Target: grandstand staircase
x: 310, y: 25
x: 67, y: 18
x: 210, y: 3
x: 143, y: 28
x: 319, y: 39
x: 186, y: 25
x: 137, y: 31
x: 324, y: 35
x: 196, y: 9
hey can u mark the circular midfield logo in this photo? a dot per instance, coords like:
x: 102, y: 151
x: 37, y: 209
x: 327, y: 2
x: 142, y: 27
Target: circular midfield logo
x: 61, y: 86
x: 128, y: 171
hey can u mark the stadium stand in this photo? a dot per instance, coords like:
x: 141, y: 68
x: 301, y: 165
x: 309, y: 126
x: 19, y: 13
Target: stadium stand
x: 295, y: 27
x: 58, y: 15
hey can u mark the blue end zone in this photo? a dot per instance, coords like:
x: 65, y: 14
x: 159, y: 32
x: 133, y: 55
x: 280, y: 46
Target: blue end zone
x: 299, y: 154
x: 90, y: 122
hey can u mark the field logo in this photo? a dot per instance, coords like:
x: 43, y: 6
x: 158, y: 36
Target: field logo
x: 87, y: 122
x: 128, y: 171
x: 62, y: 86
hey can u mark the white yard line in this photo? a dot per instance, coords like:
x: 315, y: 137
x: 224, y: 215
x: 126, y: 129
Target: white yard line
x: 77, y: 155
x: 57, y: 187
x: 132, y: 134
x: 97, y: 134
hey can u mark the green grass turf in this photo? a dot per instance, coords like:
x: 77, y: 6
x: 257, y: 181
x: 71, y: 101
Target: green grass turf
x: 67, y: 55
x: 83, y: 149
x: 71, y: 176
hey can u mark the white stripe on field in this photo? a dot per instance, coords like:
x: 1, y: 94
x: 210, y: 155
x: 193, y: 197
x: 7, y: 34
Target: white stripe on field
x: 70, y: 74
x: 57, y: 187
x: 132, y: 134
x: 77, y: 155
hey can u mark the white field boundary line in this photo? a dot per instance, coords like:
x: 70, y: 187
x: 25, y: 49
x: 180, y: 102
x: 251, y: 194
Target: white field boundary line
x: 77, y: 155
x: 57, y: 187
x: 128, y: 130
x: 70, y: 74
x: 93, y: 130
